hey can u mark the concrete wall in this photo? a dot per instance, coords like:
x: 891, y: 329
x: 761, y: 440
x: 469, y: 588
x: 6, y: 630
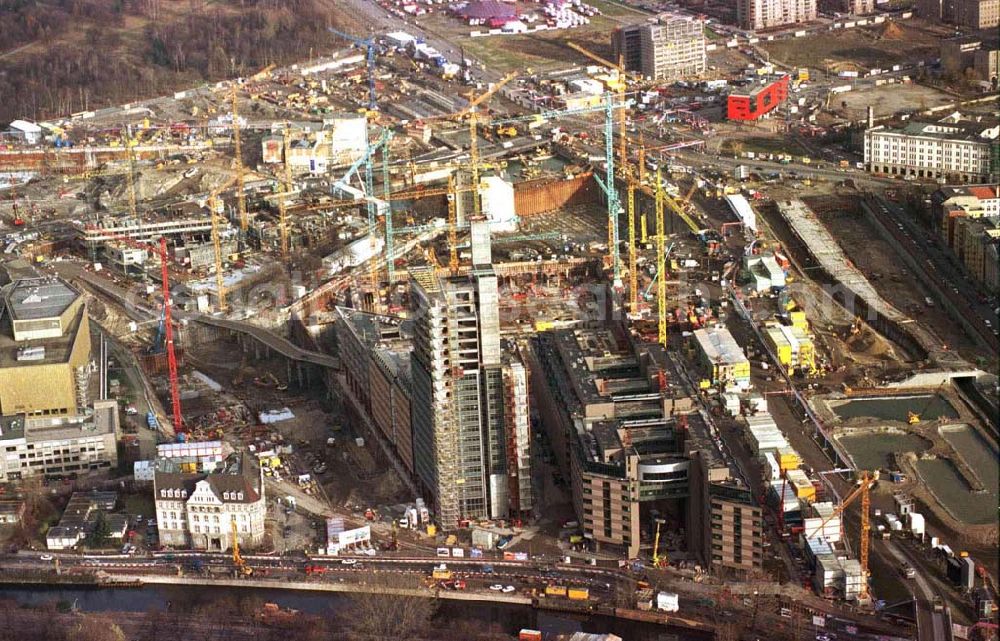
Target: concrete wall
x: 537, y: 197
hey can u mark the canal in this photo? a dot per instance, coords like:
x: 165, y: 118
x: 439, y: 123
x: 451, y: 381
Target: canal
x: 510, y: 617
x: 941, y: 477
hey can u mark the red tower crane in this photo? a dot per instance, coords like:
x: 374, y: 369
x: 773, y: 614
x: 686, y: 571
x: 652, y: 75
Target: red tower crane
x: 161, y: 250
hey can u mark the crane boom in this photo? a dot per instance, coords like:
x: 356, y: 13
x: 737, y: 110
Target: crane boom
x: 474, y: 135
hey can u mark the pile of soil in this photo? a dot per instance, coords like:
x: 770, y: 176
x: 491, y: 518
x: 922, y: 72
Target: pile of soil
x: 892, y: 31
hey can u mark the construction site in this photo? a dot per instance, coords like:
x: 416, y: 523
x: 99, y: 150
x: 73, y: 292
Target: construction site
x: 351, y: 268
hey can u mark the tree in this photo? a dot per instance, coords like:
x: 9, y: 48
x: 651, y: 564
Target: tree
x: 101, y: 532
x: 95, y: 628
x: 381, y: 614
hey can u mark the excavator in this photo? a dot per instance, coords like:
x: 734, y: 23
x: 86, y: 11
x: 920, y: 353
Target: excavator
x: 242, y: 568
x: 912, y: 418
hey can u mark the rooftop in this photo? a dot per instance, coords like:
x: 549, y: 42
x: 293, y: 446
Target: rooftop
x: 57, y: 350
x: 34, y: 298
x: 948, y: 129
x: 238, y: 482
x: 93, y: 422
x: 719, y: 345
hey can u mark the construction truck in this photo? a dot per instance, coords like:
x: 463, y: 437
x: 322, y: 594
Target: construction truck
x: 442, y: 573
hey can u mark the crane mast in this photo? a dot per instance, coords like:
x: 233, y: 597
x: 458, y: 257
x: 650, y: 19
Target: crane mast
x: 241, y: 203
x: 286, y: 188
x: 661, y: 263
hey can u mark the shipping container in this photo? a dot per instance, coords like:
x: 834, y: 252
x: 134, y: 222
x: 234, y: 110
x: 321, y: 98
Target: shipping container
x: 555, y: 590
x: 578, y: 594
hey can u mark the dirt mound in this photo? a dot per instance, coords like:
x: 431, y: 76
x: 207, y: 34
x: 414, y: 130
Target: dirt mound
x: 892, y: 31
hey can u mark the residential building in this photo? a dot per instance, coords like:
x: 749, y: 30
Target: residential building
x: 977, y: 14
x: 44, y: 348
x: 767, y: 14
x: 953, y: 149
x: 624, y: 431
x: 80, y: 517
x: 457, y: 405
x: 11, y: 511
x: 32, y: 445
x: 626, y: 43
x: 852, y: 7
x: 720, y: 359
x: 375, y: 351
x: 986, y: 63
x: 202, y: 510
x: 673, y: 47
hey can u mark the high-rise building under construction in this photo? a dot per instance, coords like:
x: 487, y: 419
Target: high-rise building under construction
x: 459, y: 447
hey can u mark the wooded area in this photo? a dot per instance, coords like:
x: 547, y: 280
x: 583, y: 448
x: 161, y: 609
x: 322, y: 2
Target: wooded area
x: 86, y: 54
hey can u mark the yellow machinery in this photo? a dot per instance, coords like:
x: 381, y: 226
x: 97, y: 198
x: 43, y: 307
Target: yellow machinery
x: 914, y: 417
x: 238, y: 560
x: 633, y: 269
x: 286, y: 189
x: 659, y: 561
x: 661, y: 262
x: 241, y: 204
x: 506, y: 132
x: 865, y: 481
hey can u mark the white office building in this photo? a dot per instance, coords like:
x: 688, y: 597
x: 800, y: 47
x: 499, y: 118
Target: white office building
x: 954, y: 150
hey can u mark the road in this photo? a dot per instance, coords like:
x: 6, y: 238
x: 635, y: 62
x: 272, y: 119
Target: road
x: 930, y: 624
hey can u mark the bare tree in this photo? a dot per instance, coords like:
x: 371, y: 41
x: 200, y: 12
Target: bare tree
x: 381, y: 614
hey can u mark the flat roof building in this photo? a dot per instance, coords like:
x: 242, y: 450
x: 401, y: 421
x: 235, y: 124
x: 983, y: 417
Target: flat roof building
x: 721, y: 358
x: 44, y: 348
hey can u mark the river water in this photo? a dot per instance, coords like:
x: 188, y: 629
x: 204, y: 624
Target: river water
x: 159, y: 597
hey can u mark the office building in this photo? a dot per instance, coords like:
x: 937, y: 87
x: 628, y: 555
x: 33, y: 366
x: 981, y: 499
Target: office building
x: 758, y: 102
x: 973, y: 55
x: 673, y: 47
x: 44, y: 349
x: 33, y: 446
x: 767, y: 14
x: 624, y: 431
x: 517, y: 430
x: 201, y: 510
x: 952, y: 149
x: 626, y: 43
x: 457, y: 405
x: 977, y: 14
x: 375, y: 351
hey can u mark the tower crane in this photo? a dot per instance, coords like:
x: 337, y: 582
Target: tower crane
x: 472, y: 113
x: 241, y: 203
x: 213, y: 207
x: 286, y: 188
x: 370, y: 47
x: 622, y: 118
x: 633, y: 265
x: 160, y: 249
x: 130, y: 155
x: 661, y: 263
x: 659, y: 561
x: 865, y: 481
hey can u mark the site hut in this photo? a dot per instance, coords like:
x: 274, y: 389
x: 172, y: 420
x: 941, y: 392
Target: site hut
x: 23, y: 131
x: 721, y: 360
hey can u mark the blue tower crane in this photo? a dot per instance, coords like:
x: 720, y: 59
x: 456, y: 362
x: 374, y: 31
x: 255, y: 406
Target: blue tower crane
x: 371, y: 46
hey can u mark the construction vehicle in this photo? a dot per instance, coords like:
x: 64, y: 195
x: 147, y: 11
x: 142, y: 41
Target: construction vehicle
x: 865, y: 480
x: 241, y: 565
x: 314, y: 570
x: 371, y: 515
x: 912, y: 417
x: 659, y: 561
x: 508, y: 131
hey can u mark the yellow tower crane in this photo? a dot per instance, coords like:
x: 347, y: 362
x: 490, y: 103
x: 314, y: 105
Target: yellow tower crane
x: 130, y: 154
x: 471, y: 112
x: 633, y: 263
x: 864, y: 482
x: 241, y: 204
x: 659, y: 561
x: 452, y: 226
x: 285, y: 190
x: 661, y: 262
x: 213, y: 206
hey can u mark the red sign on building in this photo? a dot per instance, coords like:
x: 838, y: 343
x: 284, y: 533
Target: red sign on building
x: 758, y: 102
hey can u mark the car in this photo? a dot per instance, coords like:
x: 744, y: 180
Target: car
x: 508, y: 589
x: 46, y: 557
x: 348, y: 561
x: 496, y: 587
x: 151, y: 523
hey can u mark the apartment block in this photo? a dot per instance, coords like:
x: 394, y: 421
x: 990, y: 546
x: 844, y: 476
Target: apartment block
x: 459, y: 449
x: 375, y: 350
x: 673, y: 47
x: 953, y: 149
x: 977, y: 14
x: 767, y: 14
